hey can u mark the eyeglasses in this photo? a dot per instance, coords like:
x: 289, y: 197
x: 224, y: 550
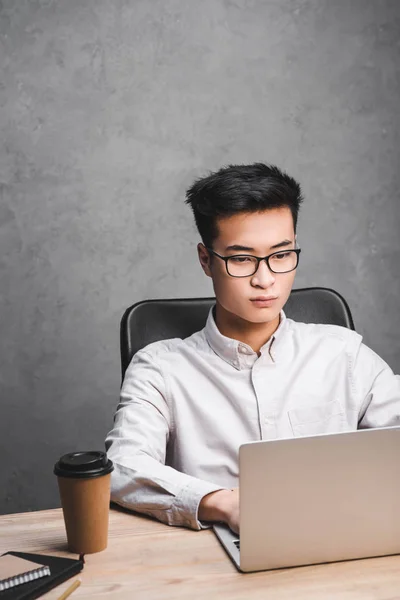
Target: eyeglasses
x: 245, y: 265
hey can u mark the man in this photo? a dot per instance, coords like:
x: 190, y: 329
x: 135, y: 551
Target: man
x: 187, y: 405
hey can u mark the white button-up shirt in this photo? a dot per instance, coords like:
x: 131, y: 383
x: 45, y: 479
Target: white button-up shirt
x: 187, y: 405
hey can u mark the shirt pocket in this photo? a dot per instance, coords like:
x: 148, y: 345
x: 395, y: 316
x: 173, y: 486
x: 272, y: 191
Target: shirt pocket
x: 325, y: 417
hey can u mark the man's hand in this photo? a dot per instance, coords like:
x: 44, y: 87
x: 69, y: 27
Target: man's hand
x: 221, y: 506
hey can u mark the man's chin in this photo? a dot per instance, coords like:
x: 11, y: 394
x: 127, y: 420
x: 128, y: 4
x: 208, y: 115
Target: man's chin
x: 262, y: 315
x: 252, y: 314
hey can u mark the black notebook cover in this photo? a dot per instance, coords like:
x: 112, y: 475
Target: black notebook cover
x: 60, y: 568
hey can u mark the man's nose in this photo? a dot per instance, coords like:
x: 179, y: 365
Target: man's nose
x: 263, y: 276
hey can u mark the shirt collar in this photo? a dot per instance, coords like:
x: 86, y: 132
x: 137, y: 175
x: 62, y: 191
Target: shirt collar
x: 238, y: 354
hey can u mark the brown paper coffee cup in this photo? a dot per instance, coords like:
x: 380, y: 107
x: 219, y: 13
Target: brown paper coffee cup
x: 85, y: 499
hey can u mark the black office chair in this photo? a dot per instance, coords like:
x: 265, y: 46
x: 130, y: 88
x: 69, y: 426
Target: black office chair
x: 153, y: 320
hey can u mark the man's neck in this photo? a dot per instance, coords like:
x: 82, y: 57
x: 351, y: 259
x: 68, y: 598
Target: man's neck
x: 254, y: 335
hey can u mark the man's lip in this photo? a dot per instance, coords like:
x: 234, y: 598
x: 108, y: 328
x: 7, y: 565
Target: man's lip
x: 264, y: 298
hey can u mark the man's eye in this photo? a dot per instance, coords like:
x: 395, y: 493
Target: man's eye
x: 282, y: 255
x: 240, y: 259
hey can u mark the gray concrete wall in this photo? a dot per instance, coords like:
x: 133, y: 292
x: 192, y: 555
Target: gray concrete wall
x: 108, y: 112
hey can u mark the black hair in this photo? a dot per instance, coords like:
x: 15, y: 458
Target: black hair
x: 241, y: 188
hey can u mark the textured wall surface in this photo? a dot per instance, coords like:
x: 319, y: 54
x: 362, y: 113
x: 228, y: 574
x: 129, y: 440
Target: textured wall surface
x: 108, y: 112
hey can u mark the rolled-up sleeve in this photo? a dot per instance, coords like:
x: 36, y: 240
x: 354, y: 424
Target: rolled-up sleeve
x: 137, y: 445
x: 379, y: 389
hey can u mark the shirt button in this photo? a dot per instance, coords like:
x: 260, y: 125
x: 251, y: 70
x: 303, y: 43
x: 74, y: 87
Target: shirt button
x: 267, y: 421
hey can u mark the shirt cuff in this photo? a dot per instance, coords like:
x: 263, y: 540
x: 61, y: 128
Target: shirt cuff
x: 186, y: 504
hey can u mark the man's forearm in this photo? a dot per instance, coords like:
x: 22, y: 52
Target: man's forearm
x: 145, y: 485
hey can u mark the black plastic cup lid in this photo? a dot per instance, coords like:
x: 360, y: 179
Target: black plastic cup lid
x: 83, y: 465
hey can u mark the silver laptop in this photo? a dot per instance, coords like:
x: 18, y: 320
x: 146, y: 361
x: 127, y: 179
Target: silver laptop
x: 317, y: 499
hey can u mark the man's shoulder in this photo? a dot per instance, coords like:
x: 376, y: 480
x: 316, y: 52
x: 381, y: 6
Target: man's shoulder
x: 163, y: 348
x: 324, y: 332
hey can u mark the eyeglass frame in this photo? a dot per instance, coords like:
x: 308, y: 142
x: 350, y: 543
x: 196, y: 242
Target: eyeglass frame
x: 258, y: 259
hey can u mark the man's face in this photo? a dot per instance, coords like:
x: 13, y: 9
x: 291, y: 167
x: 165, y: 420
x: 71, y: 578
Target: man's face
x: 260, y: 234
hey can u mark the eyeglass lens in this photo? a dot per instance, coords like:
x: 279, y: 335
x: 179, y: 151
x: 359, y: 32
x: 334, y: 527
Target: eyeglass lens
x: 243, y: 266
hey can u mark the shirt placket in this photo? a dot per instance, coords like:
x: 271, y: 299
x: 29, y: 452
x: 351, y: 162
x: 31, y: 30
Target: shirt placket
x: 264, y: 377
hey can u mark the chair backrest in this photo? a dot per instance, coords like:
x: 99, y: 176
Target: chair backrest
x: 153, y: 320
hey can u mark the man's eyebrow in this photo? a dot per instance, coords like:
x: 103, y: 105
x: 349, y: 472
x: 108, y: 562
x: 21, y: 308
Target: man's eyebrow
x: 239, y: 248
x: 282, y: 244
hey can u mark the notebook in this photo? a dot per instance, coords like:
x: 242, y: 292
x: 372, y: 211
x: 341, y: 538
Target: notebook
x: 61, y: 569
x: 16, y: 571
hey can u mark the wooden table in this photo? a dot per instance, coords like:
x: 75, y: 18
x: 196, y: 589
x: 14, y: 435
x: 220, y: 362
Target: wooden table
x: 148, y: 560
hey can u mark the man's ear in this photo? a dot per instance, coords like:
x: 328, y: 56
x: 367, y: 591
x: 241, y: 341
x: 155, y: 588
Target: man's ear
x: 204, y: 258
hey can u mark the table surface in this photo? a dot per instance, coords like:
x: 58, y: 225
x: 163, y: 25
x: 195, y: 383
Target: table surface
x: 149, y: 560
